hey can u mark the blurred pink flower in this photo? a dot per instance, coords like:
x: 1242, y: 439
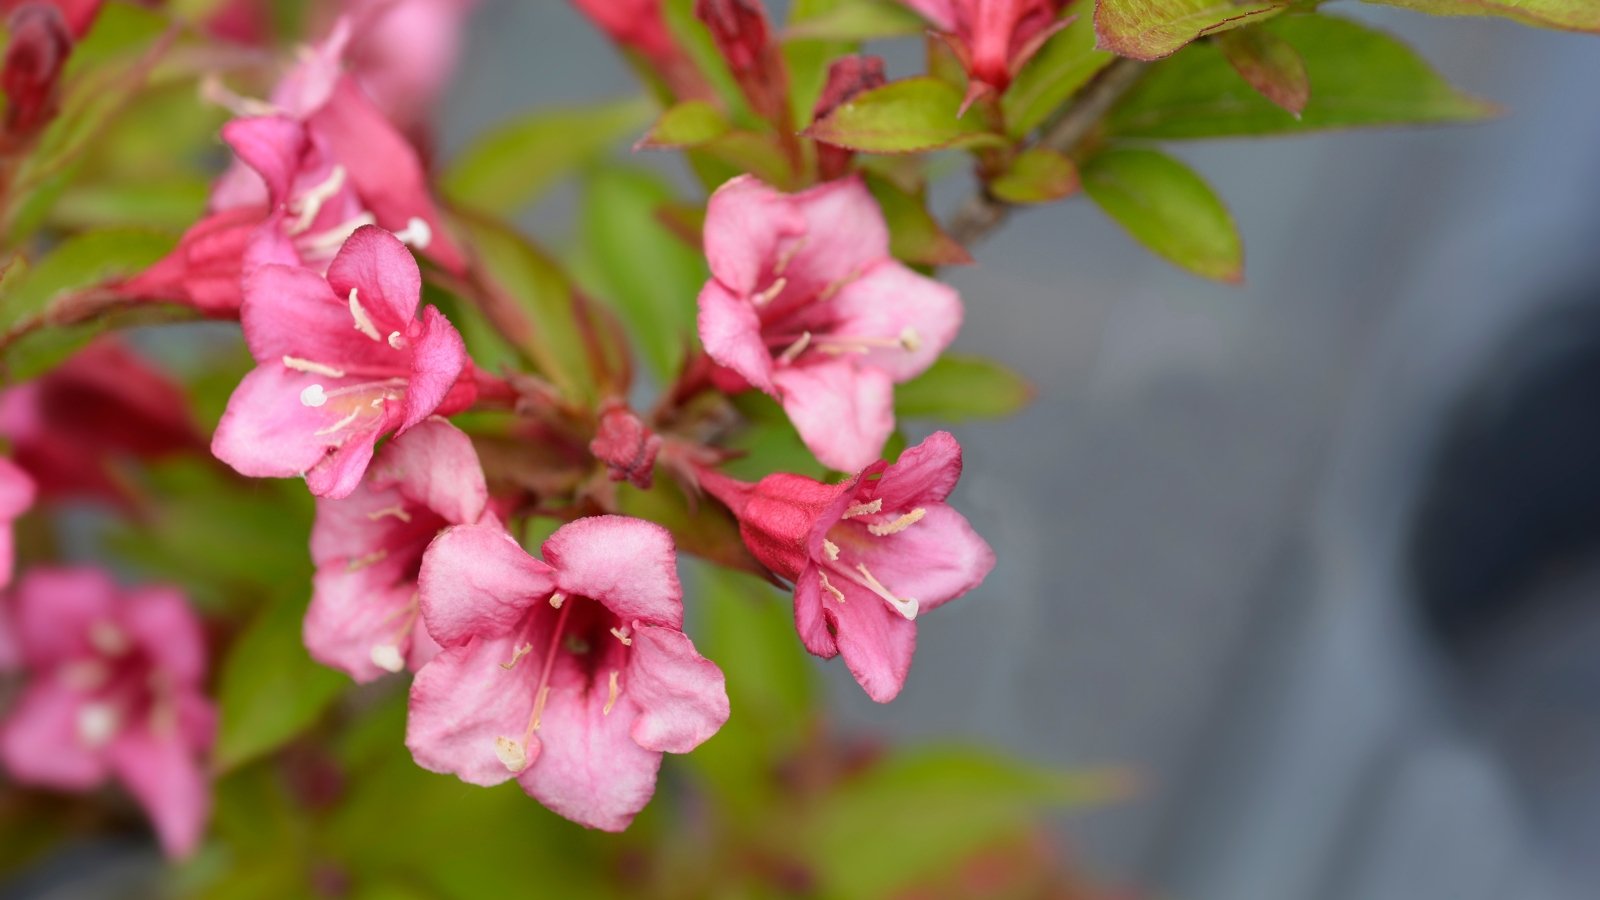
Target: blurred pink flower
x: 341, y: 361
x: 404, y: 53
x: 992, y: 38
x: 368, y: 548
x: 113, y: 687
x: 572, y: 676
x: 637, y: 25
x: 79, y: 15
x: 806, y: 304
x: 16, y: 495
x: 866, y: 556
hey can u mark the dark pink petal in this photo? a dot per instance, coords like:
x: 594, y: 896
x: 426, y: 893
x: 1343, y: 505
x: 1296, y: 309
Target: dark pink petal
x: 56, y: 609
x: 476, y: 581
x: 354, y: 611
x: 876, y: 642
x: 16, y: 495
x: 681, y: 695
x: 434, y: 464
x: 437, y: 360
x: 892, y: 303
x: 844, y: 412
x: 40, y: 740
x: 160, y: 620
x: 731, y: 333
x: 271, y: 145
x: 809, y: 621
x: 291, y: 311
x: 462, y: 704
x: 845, y: 234
x: 935, y: 561
x: 308, y: 86
x: 747, y: 224
x: 628, y: 565
x: 384, y: 274
x: 204, y: 270
x: 339, y: 473
x: 160, y: 770
x: 589, y: 768
x: 923, y: 474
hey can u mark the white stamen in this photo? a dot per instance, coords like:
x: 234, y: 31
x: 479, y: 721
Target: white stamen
x: 396, y: 340
x: 363, y: 321
x: 830, y: 549
x: 910, y: 340
x: 417, y: 233
x: 795, y: 349
x: 828, y: 586
x: 324, y: 243
x: 863, y: 509
x: 900, y: 524
x: 621, y: 634
x: 98, y: 724
x: 397, y: 511
x: 772, y: 291
x: 906, y: 607
x: 517, y: 653
x: 358, y: 563
x: 311, y: 367
x: 611, y: 694
x: 387, y: 657
x: 511, y: 754
x: 787, y: 256
x: 339, y: 425
x: 557, y: 599
x: 108, y: 638
x: 313, y: 396
x: 213, y: 91
x: 309, y: 203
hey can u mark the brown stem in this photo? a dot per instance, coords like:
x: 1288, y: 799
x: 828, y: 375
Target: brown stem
x: 982, y: 213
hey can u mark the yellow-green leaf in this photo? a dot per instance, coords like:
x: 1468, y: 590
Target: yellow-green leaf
x: 1164, y: 205
x: 903, y: 117
x: 1151, y: 29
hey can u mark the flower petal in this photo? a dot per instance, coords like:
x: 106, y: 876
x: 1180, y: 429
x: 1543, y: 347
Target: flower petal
x: 161, y: 622
x: 746, y: 224
x: 809, y: 621
x: 589, y: 768
x: 876, y: 642
x: 681, y: 695
x: 845, y: 234
x: 893, y: 303
x: 40, y: 743
x: 162, y: 773
x: 437, y: 361
x: 731, y: 333
x: 844, y: 413
x: 290, y: 311
x: 923, y: 474
x: 476, y: 581
x: 56, y: 608
x: 353, y: 612
x: 434, y: 464
x: 936, y: 560
x: 271, y: 145
x: 462, y: 704
x: 384, y: 275
x: 205, y: 269
x: 629, y: 565
x: 267, y: 432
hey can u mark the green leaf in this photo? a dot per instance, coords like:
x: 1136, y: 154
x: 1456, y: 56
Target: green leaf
x: 1269, y: 64
x: 81, y: 261
x: 1151, y: 29
x: 959, y: 387
x: 270, y: 690
x: 808, y: 60
x: 1037, y: 175
x: 915, y: 236
x: 170, y: 202
x: 1168, y: 208
x: 1567, y: 15
x: 857, y: 20
x: 511, y: 165
x: 918, y: 810
x: 689, y: 124
x: 1065, y: 63
x: 903, y: 117
x: 1358, y: 77
x: 635, y: 262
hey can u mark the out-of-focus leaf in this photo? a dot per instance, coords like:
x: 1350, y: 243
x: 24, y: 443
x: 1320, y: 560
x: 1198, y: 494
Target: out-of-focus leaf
x: 689, y: 124
x: 738, y: 152
x: 918, y: 810
x: 650, y: 278
x: 1151, y: 29
x: 915, y: 236
x: 1037, y: 175
x: 856, y: 20
x: 1269, y: 64
x: 270, y: 690
x: 1168, y: 208
x: 903, y: 117
x: 769, y: 442
x: 701, y: 527
x: 1358, y: 77
x: 1567, y: 15
x: 808, y: 60
x: 510, y: 166
x: 173, y: 202
x: 1065, y: 63
x: 958, y: 387
x: 81, y: 261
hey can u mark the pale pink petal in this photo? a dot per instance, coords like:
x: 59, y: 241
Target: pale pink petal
x: 476, y: 581
x: 160, y: 621
x: 844, y: 413
x: 338, y: 474
x: 923, y: 474
x: 162, y: 773
x: 437, y: 361
x: 434, y: 464
x: 681, y: 695
x: 55, y: 610
x: 628, y: 565
x: 384, y: 274
x: 308, y: 86
x: 271, y: 145
x: 935, y: 561
x: 40, y: 740
x: 267, y: 432
x: 892, y: 303
x: 845, y: 234
x: 809, y: 621
x: 876, y: 642
x: 16, y: 495
x: 237, y: 187
x: 731, y: 333
x: 10, y: 652
x: 290, y: 311
x: 353, y: 613
x: 359, y: 524
x: 463, y: 703
x: 747, y: 225
x: 589, y: 769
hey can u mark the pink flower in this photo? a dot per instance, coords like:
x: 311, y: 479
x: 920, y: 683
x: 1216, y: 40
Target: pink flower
x: 341, y: 361
x: 113, y: 688
x: 404, y: 52
x: 992, y: 38
x: 866, y: 556
x: 16, y: 495
x: 806, y: 304
x: 637, y: 25
x: 572, y: 676
x: 368, y: 548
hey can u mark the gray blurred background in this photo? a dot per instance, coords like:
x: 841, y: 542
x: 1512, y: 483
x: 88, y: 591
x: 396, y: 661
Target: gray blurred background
x: 1313, y: 553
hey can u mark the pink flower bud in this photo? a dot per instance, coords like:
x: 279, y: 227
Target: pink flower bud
x: 847, y: 77
x: 31, y: 77
x: 626, y: 445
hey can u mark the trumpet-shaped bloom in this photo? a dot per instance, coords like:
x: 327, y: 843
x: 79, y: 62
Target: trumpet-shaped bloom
x: 805, y: 303
x: 572, y: 675
x: 16, y: 495
x: 404, y: 52
x: 364, y: 616
x: 992, y: 38
x: 341, y: 361
x: 866, y: 556
x: 112, y: 688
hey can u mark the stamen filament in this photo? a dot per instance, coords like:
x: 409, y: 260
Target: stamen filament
x: 828, y: 586
x: 309, y: 203
x: 396, y: 510
x: 544, y: 676
x: 900, y: 524
x: 621, y: 634
x: 363, y: 321
x: 312, y: 367
x: 795, y: 349
x: 612, y: 690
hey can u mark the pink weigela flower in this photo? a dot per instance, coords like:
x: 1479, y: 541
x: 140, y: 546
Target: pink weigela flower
x: 368, y: 548
x: 992, y: 38
x: 113, y: 687
x: 806, y: 304
x: 866, y: 556
x: 341, y: 361
x: 16, y: 495
x: 572, y: 675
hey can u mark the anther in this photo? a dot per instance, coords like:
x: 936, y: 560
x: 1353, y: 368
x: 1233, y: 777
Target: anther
x: 417, y: 233
x: 396, y: 340
x: 517, y: 653
x: 387, y: 657
x: 863, y: 509
x: 772, y: 291
x: 830, y: 550
x: 557, y: 599
x: 910, y: 340
x: 621, y: 634
x: 611, y: 694
x: 511, y: 754
x: 313, y: 396
x: 363, y: 321
x: 828, y: 586
x: 900, y: 524
x: 396, y: 511
x: 97, y: 724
